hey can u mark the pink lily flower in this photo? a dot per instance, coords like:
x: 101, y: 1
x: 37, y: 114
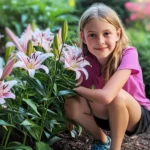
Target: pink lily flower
x: 43, y: 38
x: 21, y: 43
x: 74, y: 61
x: 33, y: 62
x: 5, y: 90
x: 7, y: 69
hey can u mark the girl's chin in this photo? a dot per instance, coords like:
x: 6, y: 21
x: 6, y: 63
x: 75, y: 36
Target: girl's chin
x: 101, y: 57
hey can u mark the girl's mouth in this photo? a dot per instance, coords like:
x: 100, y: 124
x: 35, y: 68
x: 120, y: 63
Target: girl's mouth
x: 100, y: 49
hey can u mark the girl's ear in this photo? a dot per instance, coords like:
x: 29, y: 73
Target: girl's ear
x: 119, y: 32
x: 82, y: 37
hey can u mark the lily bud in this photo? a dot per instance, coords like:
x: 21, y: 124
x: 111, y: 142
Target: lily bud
x: 8, y: 52
x: 64, y: 31
x: 56, y: 45
x: 30, y: 48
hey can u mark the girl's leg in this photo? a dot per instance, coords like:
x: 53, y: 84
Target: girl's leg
x: 124, y: 113
x: 77, y: 110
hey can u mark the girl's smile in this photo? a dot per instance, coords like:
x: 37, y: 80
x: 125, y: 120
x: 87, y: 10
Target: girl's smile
x: 101, y: 48
x: 100, y: 38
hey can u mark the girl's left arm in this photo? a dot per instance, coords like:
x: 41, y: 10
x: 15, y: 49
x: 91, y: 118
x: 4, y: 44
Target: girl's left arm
x: 109, y: 91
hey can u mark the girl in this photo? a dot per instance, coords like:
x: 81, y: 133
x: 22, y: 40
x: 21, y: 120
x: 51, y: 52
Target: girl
x: 117, y: 99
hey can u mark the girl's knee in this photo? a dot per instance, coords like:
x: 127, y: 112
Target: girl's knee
x: 71, y: 108
x: 119, y: 100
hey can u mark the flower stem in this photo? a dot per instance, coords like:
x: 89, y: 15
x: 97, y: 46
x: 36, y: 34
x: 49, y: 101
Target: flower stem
x: 51, y: 89
x: 9, y: 131
x: 25, y: 138
x: 4, y: 137
x: 43, y: 119
x: 7, y: 137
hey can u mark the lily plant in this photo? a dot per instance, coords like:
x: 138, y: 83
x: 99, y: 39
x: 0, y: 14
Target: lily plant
x: 45, y: 69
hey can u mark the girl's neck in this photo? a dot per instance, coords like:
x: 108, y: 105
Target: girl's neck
x: 102, y: 61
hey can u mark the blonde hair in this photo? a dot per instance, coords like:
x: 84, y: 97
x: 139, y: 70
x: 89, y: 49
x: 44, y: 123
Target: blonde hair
x: 100, y: 10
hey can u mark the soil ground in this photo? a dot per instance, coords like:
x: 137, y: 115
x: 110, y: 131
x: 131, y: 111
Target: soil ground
x: 83, y: 142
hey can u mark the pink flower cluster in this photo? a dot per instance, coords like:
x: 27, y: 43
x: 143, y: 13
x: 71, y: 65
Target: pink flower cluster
x: 138, y: 10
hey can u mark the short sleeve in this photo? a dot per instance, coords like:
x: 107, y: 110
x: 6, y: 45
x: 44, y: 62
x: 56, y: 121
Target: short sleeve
x: 130, y: 60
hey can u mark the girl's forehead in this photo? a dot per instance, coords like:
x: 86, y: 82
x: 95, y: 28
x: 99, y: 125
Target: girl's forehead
x: 98, y: 23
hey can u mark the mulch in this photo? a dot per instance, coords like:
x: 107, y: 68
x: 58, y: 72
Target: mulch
x: 83, y: 142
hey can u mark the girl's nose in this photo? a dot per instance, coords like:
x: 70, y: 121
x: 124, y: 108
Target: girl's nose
x: 101, y: 40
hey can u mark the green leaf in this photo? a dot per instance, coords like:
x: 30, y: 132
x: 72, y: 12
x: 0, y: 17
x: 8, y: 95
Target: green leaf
x: 54, y: 140
x: 28, y: 122
x: 59, y: 129
x: 2, y: 122
x: 42, y: 146
x: 32, y: 105
x: 36, y: 84
x: 34, y: 132
x: 80, y: 130
x: 66, y: 92
x: 53, y: 123
x: 73, y: 133
x: 19, y: 147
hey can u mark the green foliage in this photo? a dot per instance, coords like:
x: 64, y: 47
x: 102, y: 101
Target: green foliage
x: 17, y: 14
x: 140, y: 39
x: 37, y: 113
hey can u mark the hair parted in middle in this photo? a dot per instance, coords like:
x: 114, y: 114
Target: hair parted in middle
x: 106, y: 13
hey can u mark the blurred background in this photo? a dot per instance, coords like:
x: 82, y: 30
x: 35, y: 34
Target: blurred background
x: 135, y: 14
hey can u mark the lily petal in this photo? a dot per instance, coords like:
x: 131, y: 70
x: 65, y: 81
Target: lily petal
x: 44, y: 68
x: 14, y: 39
x: 1, y: 72
x: 8, y: 85
x: 20, y: 64
x: 7, y: 69
x: 85, y: 72
x: 78, y: 74
x: 84, y: 63
x: 22, y: 57
x: 42, y: 57
x: 79, y: 81
x: 31, y: 72
x: 9, y: 95
x: 26, y: 37
x: 2, y: 101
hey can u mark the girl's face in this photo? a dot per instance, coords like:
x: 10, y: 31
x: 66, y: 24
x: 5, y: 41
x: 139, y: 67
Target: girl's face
x: 100, y: 38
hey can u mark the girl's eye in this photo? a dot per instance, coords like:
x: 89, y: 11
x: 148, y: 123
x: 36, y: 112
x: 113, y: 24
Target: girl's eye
x: 106, y: 33
x: 92, y: 35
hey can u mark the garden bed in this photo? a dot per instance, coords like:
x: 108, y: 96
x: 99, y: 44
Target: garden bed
x: 83, y: 142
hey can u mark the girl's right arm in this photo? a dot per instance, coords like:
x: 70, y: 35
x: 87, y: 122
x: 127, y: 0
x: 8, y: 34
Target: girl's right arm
x: 109, y: 91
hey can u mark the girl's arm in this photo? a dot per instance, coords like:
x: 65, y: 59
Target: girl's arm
x: 109, y: 91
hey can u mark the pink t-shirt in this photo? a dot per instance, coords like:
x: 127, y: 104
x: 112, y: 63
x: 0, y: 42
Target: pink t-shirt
x: 134, y: 85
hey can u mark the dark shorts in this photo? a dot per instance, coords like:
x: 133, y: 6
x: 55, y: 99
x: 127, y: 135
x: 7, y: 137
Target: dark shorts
x: 142, y: 126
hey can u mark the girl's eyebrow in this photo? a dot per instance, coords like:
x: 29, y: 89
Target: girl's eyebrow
x: 91, y: 31
x: 102, y: 31
x: 107, y: 30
